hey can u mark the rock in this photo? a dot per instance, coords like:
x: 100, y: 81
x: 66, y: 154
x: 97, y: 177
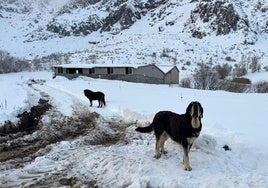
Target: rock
x: 220, y: 17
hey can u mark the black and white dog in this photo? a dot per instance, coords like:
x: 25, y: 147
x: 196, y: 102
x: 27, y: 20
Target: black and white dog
x: 183, y: 129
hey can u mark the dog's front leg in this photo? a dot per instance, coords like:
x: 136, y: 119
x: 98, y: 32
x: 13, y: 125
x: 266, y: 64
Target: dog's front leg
x: 186, y: 161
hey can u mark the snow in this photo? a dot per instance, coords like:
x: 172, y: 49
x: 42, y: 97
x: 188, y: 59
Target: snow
x: 16, y: 96
x: 258, y: 76
x: 233, y: 119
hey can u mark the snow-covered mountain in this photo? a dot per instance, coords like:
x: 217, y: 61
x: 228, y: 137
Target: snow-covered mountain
x: 180, y: 32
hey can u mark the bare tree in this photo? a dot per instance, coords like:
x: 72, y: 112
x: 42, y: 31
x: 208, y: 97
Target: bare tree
x: 255, y: 65
x: 9, y: 63
x: 186, y: 82
x: 205, y: 77
x: 223, y: 70
x: 240, y: 70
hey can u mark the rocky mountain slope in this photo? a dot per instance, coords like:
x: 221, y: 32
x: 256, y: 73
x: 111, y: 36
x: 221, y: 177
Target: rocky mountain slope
x: 180, y: 32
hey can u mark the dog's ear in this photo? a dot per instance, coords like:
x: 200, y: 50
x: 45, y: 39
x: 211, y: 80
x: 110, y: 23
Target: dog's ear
x: 188, y: 109
x: 202, y: 110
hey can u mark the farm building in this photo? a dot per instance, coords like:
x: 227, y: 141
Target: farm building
x: 149, y: 73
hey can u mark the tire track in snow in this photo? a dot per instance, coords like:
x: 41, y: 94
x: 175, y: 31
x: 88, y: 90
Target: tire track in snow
x: 67, y: 98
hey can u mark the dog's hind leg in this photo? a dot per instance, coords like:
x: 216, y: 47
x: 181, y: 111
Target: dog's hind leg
x: 103, y: 100
x: 163, y: 139
x: 160, y: 142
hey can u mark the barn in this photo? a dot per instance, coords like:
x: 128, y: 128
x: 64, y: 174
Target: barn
x: 149, y: 73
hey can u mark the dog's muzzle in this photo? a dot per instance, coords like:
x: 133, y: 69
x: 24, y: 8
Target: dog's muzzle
x: 195, y: 112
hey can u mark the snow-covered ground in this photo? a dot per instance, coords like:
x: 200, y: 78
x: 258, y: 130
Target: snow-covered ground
x: 236, y: 120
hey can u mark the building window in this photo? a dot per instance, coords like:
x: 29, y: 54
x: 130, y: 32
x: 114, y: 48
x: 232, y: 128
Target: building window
x: 110, y: 70
x: 74, y: 71
x: 60, y: 70
x: 128, y: 70
x: 91, y: 71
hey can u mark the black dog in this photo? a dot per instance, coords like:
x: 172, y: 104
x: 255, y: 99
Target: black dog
x: 183, y: 129
x: 95, y: 96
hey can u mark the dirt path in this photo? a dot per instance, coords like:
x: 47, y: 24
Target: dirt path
x: 43, y: 125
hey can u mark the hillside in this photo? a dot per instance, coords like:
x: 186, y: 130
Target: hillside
x: 138, y: 31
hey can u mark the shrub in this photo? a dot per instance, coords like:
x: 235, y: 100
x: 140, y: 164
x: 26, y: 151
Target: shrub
x: 205, y: 77
x: 9, y: 63
x: 46, y: 62
x: 186, y: 83
x: 241, y: 80
x: 234, y: 87
x: 237, y: 85
x: 223, y: 70
x: 261, y: 87
x: 240, y: 70
x: 228, y: 58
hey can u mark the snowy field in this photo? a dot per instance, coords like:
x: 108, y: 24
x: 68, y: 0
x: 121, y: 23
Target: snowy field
x: 233, y: 119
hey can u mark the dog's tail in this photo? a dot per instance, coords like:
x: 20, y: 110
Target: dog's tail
x: 147, y: 129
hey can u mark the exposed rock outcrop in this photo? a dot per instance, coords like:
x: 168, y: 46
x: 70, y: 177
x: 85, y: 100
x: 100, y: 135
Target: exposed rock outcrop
x: 220, y: 17
x: 118, y: 15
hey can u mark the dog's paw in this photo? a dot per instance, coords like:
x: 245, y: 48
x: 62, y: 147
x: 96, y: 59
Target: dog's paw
x: 164, y: 152
x: 157, y: 156
x: 187, y: 168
